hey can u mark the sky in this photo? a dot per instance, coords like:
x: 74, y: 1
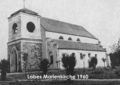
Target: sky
x: 99, y: 17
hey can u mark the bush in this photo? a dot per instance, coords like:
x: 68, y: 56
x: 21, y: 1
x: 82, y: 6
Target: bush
x: 69, y: 63
x: 103, y: 73
x: 115, y: 58
x: 98, y: 71
x: 93, y: 63
x: 4, y: 66
x: 44, y: 66
x: 117, y: 71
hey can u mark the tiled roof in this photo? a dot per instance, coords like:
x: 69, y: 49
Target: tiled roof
x: 24, y: 10
x: 79, y: 46
x: 65, y: 28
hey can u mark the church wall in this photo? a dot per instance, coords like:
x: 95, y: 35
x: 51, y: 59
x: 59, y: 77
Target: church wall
x: 53, y: 35
x: 34, y: 50
x: 25, y: 18
x: 14, y: 56
x: 36, y: 45
x: 44, y: 47
x: 79, y: 63
x: 16, y: 19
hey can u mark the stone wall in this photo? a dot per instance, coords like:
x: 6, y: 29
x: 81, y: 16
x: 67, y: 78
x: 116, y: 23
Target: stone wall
x: 14, y: 57
x: 34, y: 51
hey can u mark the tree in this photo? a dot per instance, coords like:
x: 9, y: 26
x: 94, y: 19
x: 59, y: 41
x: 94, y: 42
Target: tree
x: 69, y: 63
x: 4, y: 66
x: 93, y: 62
x: 65, y: 62
x: 115, y: 54
x: 115, y: 59
x: 44, y: 66
x: 72, y: 63
x: 114, y: 48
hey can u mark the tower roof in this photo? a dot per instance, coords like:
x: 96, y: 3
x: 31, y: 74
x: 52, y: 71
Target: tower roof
x: 24, y: 10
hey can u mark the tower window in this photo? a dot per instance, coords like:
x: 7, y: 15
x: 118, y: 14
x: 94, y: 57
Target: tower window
x: 30, y: 26
x: 61, y: 37
x: 69, y: 38
x: 14, y: 27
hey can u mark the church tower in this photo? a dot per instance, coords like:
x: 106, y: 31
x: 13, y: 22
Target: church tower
x: 24, y: 37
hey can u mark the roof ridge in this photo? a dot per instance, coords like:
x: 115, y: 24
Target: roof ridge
x: 64, y: 22
x: 65, y: 27
x: 25, y: 10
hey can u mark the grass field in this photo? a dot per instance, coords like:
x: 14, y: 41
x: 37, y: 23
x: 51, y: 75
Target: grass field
x: 96, y: 77
x: 99, y: 73
x: 81, y: 82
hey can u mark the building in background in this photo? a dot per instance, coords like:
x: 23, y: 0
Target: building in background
x: 47, y: 38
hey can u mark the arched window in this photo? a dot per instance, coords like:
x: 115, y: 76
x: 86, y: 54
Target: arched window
x: 14, y: 27
x: 51, y: 59
x: 78, y: 39
x: 82, y: 56
x: 69, y: 38
x: 61, y: 37
x: 89, y: 54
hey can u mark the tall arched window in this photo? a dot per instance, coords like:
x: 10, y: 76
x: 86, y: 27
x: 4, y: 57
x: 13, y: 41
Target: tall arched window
x: 89, y: 54
x: 69, y: 38
x: 51, y: 59
x: 78, y: 39
x: 61, y: 37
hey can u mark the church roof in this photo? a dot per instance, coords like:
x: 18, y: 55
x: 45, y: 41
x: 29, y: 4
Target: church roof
x: 65, y: 28
x: 24, y: 10
x: 79, y: 46
x: 58, y: 26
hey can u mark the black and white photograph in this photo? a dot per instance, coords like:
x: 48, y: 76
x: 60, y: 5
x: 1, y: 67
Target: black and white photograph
x: 59, y: 42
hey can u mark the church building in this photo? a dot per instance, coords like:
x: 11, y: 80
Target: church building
x: 41, y: 37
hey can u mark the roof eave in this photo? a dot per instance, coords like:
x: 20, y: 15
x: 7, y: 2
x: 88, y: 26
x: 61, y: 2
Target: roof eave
x: 24, y: 11
x: 82, y: 49
x: 70, y: 34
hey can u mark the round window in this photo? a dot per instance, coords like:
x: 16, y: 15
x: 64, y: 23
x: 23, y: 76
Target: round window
x: 30, y: 26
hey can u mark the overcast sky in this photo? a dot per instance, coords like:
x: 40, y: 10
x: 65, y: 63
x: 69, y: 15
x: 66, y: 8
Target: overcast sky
x: 99, y: 17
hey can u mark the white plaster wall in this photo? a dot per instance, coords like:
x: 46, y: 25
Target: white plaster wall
x: 79, y: 62
x: 25, y: 18
x: 53, y: 35
x: 12, y: 20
